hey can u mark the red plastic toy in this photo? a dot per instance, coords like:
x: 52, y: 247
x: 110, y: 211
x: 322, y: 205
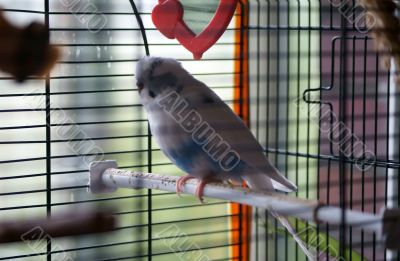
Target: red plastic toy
x: 167, y: 16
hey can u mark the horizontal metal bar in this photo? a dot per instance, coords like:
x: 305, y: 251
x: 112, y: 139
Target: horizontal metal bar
x: 76, y: 171
x: 280, y: 144
x: 377, y: 163
x: 325, y: 28
x: 112, y: 29
x: 131, y: 60
x: 110, y: 76
x: 71, y: 156
x: 170, y: 252
x: 115, y: 244
x: 170, y: 208
x: 141, y: 241
x: 72, y: 124
x: 178, y: 221
x: 271, y: 78
x: 65, y: 93
x: 130, y: 44
x: 72, y: 140
x: 271, y: 98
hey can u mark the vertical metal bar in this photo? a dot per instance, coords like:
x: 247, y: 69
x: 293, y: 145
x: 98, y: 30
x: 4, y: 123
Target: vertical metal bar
x: 329, y: 161
x: 141, y: 27
x: 342, y: 146
x: 308, y: 113
x: 278, y: 64
x: 258, y: 44
x: 298, y: 113
x: 241, y: 87
x: 331, y: 16
x: 268, y: 86
x: 257, y: 231
x: 397, y: 149
x: 48, y: 135
x: 319, y: 117
x: 363, y: 131
x: 149, y: 145
x: 375, y: 145
x: 353, y: 69
x: 149, y: 200
x: 387, y: 254
x: 268, y: 72
x: 287, y: 123
x: 308, y: 104
x: 328, y: 201
x: 328, y: 182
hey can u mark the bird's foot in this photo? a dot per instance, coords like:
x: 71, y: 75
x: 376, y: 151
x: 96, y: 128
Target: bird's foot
x: 200, y: 188
x: 181, y: 182
x: 200, y: 191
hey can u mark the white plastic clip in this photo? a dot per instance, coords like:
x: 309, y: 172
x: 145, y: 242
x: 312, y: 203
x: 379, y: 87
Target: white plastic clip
x: 97, y: 169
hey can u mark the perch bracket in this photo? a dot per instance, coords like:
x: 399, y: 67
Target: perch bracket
x: 391, y: 228
x: 96, y: 169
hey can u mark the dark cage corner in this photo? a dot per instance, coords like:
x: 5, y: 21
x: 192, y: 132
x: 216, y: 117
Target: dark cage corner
x: 315, y: 81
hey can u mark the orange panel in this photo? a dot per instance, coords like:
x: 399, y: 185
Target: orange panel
x: 241, y: 220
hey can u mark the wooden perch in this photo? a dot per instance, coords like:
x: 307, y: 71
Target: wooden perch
x: 105, y: 177
x: 25, y: 51
x: 71, y: 224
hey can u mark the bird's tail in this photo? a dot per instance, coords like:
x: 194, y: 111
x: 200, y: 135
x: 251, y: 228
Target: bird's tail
x: 261, y: 182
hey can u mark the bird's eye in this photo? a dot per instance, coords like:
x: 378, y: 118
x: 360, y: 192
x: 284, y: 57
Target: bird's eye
x: 152, y: 94
x: 140, y: 85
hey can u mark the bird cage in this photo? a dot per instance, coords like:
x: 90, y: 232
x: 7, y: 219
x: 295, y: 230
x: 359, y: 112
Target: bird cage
x: 309, y: 78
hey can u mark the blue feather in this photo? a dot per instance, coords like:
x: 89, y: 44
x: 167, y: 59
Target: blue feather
x: 186, y: 155
x: 189, y: 154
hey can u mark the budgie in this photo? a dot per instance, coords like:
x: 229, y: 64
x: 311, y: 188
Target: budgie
x: 201, y: 135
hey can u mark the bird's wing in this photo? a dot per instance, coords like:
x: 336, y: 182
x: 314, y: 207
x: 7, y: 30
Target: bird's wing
x: 229, y: 126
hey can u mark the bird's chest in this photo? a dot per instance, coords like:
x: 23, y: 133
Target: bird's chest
x: 175, y: 142
x: 165, y: 129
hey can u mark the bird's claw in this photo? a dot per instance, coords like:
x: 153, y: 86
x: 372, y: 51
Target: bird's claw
x: 181, y: 182
x: 199, y: 189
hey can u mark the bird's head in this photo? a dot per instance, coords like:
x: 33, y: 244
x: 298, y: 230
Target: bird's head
x: 156, y: 75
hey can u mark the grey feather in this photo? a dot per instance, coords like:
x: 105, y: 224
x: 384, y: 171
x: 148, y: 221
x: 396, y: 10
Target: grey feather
x: 235, y: 132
